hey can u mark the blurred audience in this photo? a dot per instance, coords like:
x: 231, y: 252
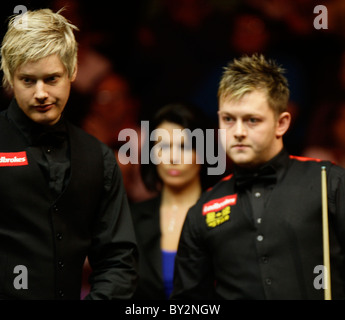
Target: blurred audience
x: 112, y: 109
x: 174, y: 50
x: 175, y: 46
x: 326, y: 138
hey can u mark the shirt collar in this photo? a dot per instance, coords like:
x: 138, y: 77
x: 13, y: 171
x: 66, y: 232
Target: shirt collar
x: 278, y: 163
x: 277, y: 166
x: 31, y: 130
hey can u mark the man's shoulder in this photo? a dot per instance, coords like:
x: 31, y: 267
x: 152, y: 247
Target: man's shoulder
x: 218, y: 187
x: 3, y: 116
x: 308, y: 160
x: 315, y: 163
x: 88, y: 139
x: 223, y: 190
x: 75, y: 130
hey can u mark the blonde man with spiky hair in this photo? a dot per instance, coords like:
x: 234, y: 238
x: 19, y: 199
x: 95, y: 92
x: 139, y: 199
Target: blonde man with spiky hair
x: 258, y: 233
x: 61, y: 191
x: 252, y: 73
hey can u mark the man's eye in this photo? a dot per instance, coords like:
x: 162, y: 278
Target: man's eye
x: 227, y: 119
x: 28, y: 80
x: 253, y: 120
x: 52, y: 79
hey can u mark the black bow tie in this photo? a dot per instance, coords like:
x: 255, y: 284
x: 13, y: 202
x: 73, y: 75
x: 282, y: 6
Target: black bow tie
x: 246, y: 179
x: 53, y: 136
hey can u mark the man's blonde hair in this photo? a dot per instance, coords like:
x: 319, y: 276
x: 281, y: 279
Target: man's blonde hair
x: 251, y: 73
x: 35, y: 35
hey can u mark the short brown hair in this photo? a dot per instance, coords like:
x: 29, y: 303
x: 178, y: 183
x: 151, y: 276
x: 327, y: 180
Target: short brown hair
x: 251, y: 73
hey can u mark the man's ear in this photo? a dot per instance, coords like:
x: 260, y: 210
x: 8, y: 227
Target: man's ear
x: 74, y: 74
x: 283, y: 124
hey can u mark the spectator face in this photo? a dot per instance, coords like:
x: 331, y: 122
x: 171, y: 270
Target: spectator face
x: 179, y: 161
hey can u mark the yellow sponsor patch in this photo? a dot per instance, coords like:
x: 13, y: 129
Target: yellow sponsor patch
x: 214, y: 219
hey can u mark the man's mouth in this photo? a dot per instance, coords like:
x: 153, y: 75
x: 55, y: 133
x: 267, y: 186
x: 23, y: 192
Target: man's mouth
x: 239, y: 146
x: 44, y: 107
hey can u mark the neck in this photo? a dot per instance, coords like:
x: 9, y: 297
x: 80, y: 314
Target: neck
x: 184, y: 196
x: 257, y: 165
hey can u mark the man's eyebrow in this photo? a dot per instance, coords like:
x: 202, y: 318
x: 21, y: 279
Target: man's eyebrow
x: 24, y: 75
x: 225, y: 113
x: 48, y: 75
x: 245, y: 115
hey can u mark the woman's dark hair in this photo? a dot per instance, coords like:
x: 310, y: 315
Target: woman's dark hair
x: 185, y: 115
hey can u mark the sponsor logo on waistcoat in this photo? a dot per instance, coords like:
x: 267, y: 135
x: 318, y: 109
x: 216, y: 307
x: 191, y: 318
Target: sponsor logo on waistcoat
x: 217, y: 211
x: 13, y: 159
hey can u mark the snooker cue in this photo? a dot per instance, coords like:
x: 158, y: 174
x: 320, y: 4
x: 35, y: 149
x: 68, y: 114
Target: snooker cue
x: 325, y: 235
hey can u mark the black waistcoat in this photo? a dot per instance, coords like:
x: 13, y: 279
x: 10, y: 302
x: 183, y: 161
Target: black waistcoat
x: 48, y: 236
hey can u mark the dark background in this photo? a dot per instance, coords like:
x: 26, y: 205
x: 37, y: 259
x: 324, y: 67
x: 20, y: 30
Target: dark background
x: 174, y: 50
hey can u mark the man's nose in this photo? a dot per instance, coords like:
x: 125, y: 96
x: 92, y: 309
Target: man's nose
x: 41, y: 93
x: 240, y: 130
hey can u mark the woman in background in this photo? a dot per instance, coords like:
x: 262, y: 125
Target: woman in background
x: 177, y: 179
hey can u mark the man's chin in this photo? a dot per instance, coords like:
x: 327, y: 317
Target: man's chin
x: 241, y: 158
x: 46, y: 119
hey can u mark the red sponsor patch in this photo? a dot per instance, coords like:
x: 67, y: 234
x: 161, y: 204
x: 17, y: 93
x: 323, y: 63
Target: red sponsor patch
x: 13, y: 159
x: 219, y: 204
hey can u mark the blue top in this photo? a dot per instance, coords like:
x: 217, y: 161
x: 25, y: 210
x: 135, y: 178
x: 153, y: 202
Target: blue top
x: 168, y: 262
